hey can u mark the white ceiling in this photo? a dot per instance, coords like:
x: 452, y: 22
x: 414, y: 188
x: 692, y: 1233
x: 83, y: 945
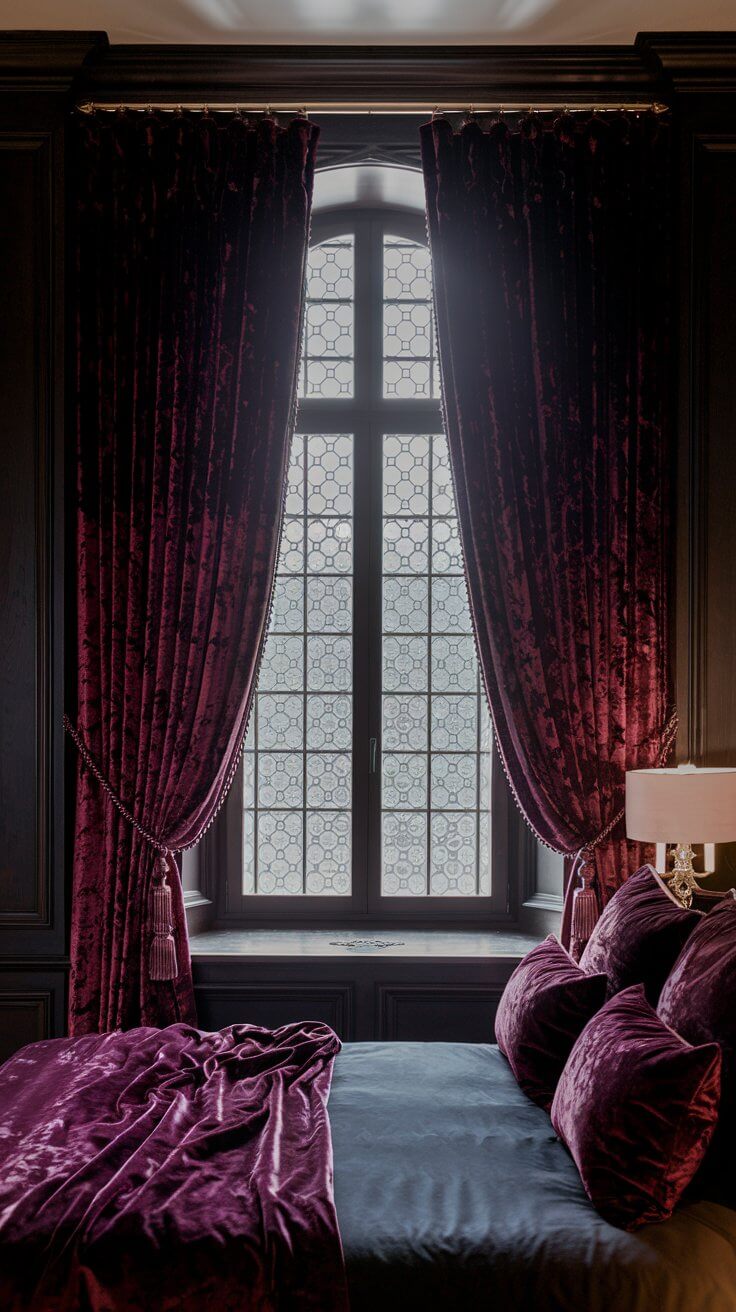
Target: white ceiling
x: 379, y: 22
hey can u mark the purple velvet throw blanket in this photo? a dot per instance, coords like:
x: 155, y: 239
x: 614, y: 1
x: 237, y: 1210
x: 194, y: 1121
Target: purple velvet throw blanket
x: 170, y: 1169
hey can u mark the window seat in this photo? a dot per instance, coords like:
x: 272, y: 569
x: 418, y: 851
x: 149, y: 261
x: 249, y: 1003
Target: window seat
x: 394, y: 943
x: 404, y: 984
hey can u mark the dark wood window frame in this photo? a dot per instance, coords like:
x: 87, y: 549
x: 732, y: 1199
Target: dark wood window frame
x: 368, y: 416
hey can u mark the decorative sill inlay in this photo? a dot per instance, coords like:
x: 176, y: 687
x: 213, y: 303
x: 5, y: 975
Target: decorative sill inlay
x: 366, y: 944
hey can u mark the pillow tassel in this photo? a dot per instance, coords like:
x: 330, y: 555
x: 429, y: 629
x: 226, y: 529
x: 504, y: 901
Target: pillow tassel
x: 162, y: 963
x: 584, y: 911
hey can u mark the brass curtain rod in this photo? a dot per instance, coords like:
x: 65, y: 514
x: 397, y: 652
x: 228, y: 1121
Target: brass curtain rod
x: 377, y: 107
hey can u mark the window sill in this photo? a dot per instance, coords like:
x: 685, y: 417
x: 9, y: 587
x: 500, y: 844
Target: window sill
x: 397, y: 944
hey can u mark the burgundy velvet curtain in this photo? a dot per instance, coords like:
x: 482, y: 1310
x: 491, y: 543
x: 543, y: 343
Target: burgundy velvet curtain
x: 549, y: 249
x: 191, y: 244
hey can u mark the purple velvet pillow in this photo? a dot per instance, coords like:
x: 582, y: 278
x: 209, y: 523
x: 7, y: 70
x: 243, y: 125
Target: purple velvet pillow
x: 639, y: 935
x: 545, y: 1005
x: 699, y: 1001
x: 637, y: 1106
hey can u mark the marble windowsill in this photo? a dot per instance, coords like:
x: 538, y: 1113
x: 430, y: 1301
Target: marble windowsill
x: 275, y: 944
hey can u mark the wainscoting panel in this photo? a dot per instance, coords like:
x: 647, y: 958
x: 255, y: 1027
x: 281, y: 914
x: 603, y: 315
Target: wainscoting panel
x: 277, y: 1004
x: 26, y: 872
x: 381, y: 996
x: 452, y: 1013
x: 32, y: 1006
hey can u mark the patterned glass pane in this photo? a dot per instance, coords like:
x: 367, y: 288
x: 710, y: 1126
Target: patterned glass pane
x: 329, y: 853
x: 280, y: 849
x: 405, y: 664
x: 404, y: 845
x: 280, y: 718
x: 405, y: 724
x: 329, y: 723
x: 282, y: 669
x: 249, y: 781
x: 450, y: 610
x: 409, y: 348
x: 287, y: 615
x: 297, y: 785
x: 454, y: 781
x: 407, y: 271
x: 329, y: 546
x: 405, y: 545
x: 329, y: 664
x: 280, y: 777
x: 329, y: 780
x: 454, y: 666
x: 453, y: 861
x: 455, y: 723
x: 328, y: 342
x: 406, y: 475
x: 329, y: 605
x: 405, y: 605
x: 330, y: 474
x: 405, y: 780
x: 436, y: 764
x: 291, y: 556
x: 249, y: 851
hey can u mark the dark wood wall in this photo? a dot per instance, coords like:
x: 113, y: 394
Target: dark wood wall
x: 41, y: 76
x: 36, y: 76
x: 701, y: 72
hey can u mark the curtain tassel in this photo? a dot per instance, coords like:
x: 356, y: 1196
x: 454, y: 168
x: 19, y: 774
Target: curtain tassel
x: 162, y: 963
x: 584, y: 907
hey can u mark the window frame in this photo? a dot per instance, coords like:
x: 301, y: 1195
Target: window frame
x: 368, y: 416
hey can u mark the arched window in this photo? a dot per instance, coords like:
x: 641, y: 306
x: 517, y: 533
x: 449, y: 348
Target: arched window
x: 369, y: 787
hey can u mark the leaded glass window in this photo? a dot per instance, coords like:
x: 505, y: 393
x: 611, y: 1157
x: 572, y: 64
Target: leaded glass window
x: 436, y: 803
x: 298, y: 758
x: 368, y: 777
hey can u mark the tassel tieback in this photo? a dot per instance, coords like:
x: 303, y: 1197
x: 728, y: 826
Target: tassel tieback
x: 584, y: 906
x: 162, y: 963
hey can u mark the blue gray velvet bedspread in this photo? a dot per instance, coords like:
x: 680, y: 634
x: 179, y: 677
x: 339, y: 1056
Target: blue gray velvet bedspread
x: 452, y: 1192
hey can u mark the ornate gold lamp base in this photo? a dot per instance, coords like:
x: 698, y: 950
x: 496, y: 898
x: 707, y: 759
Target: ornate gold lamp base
x: 683, y: 879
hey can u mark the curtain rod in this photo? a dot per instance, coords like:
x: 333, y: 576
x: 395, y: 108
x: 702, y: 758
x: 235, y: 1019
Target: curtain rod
x: 377, y: 107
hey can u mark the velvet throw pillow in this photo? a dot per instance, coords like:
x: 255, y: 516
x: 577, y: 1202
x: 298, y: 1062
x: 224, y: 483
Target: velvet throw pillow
x: 637, y: 1106
x: 545, y: 1005
x: 639, y: 935
x: 699, y: 1001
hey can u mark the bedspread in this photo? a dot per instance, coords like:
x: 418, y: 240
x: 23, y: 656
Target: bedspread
x: 170, y: 1169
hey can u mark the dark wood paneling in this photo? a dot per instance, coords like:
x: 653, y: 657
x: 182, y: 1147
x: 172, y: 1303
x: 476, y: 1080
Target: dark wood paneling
x: 273, y: 1005
x: 362, y: 997
x: 713, y: 600
x: 700, y: 69
x: 714, y: 167
x: 37, y: 70
x: 32, y: 1005
x: 25, y: 225
x: 23, y: 1019
x: 456, y: 1013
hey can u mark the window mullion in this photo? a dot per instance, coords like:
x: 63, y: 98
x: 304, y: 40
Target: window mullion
x: 373, y: 318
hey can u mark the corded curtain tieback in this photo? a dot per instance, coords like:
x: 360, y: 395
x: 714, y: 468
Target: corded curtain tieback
x: 584, y: 900
x: 162, y: 960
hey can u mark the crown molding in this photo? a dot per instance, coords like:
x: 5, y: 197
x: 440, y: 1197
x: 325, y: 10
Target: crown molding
x: 692, y: 62
x: 45, y: 61
x: 397, y: 73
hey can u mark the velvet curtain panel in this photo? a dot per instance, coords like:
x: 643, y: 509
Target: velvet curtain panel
x: 191, y: 244
x: 550, y: 257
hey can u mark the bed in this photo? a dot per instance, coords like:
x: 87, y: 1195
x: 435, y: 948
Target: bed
x: 182, y: 1169
x: 452, y: 1192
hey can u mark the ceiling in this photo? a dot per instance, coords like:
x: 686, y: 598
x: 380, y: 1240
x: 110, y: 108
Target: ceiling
x: 377, y: 22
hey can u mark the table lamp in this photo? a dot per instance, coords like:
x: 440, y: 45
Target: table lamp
x: 680, y: 807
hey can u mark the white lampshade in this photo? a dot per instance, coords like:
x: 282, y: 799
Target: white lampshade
x: 683, y: 805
